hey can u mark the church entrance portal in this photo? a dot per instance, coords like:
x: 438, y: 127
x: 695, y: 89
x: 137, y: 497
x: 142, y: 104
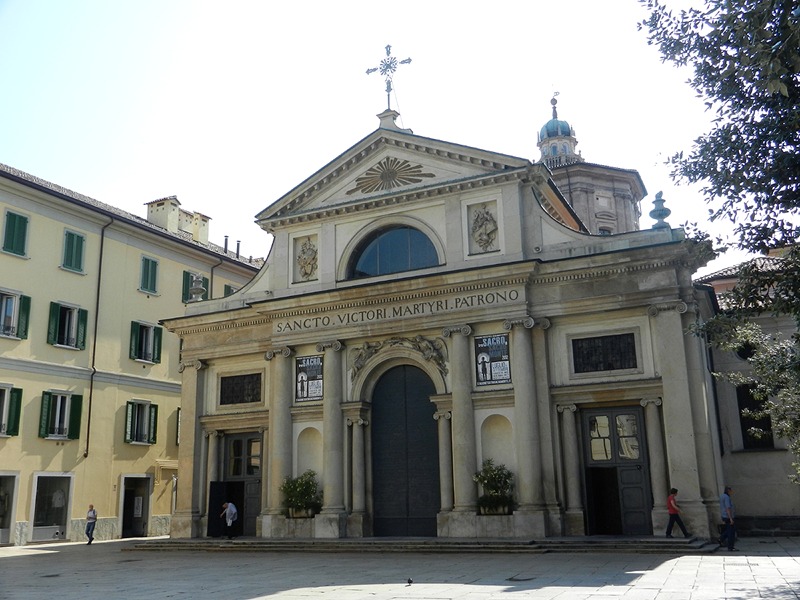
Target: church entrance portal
x: 618, y: 496
x: 405, y: 455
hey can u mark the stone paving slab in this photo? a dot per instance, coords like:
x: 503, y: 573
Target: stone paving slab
x: 764, y: 568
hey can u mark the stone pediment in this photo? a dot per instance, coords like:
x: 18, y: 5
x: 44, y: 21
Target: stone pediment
x: 384, y: 164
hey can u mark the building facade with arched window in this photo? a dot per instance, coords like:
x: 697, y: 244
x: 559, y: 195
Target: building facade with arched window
x: 426, y: 306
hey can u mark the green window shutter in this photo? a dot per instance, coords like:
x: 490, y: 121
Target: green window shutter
x: 228, y: 290
x: 128, y: 421
x: 73, y: 251
x: 153, y: 424
x: 16, y: 233
x: 206, y: 288
x: 83, y: 317
x: 187, y: 283
x: 52, y: 323
x: 149, y: 274
x: 14, y: 409
x: 134, y: 349
x: 23, y: 317
x: 74, y: 430
x: 157, y: 331
x: 44, y: 417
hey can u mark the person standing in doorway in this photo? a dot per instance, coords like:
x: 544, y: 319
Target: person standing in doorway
x: 230, y: 514
x: 91, y: 521
x: 674, y: 512
x: 728, y: 513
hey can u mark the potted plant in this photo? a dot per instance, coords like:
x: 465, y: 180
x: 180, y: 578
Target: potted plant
x: 497, y: 483
x: 301, y: 495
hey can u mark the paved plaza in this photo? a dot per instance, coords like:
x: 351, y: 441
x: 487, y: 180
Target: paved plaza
x: 764, y: 568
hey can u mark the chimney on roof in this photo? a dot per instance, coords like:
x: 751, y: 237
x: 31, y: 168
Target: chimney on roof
x: 199, y: 228
x: 237, y: 248
x: 225, y: 248
x: 165, y: 213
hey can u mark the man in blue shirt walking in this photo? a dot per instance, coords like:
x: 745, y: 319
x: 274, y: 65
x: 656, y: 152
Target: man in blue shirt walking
x: 727, y: 511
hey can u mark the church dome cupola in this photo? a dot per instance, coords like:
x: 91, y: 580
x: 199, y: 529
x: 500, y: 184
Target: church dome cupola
x: 557, y: 141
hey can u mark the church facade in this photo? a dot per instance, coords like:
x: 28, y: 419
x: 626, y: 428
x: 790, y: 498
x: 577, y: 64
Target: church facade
x: 426, y: 306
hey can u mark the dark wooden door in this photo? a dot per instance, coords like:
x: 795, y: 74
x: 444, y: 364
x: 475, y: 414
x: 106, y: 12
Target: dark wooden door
x: 618, y: 495
x: 405, y: 455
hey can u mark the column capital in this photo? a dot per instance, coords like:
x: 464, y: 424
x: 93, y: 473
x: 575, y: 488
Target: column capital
x: 542, y: 323
x: 284, y: 351
x: 335, y: 345
x: 464, y: 330
x: 362, y: 422
x: 193, y: 364
x: 526, y: 322
x: 442, y: 414
x: 655, y: 401
x: 567, y: 407
x: 679, y: 307
x: 213, y: 433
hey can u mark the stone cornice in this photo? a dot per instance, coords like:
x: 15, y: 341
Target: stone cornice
x: 393, y: 197
x: 220, y: 325
x: 404, y: 297
x: 597, y: 273
x: 361, y: 155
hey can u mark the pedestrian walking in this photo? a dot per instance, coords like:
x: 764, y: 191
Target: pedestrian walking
x: 91, y: 521
x: 674, y: 512
x: 728, y: 513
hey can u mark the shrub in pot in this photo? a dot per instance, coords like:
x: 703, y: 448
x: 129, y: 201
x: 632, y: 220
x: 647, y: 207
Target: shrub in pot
x: 301, y: 495
x: 497, y: 483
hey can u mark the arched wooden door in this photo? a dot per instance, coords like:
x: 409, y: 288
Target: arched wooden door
x: 405, y: 454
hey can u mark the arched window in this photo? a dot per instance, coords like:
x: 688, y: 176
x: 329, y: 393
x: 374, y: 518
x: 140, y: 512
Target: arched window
x: 392, y: 250
x: 554, y: 149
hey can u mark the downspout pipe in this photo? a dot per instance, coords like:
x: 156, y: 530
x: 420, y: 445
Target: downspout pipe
x: 211, y: 278
x: 93, y: 366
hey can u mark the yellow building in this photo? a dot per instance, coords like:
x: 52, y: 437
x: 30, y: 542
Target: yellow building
x: 89, y: 380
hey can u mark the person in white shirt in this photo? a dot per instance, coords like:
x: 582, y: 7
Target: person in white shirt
x: 231, y: 514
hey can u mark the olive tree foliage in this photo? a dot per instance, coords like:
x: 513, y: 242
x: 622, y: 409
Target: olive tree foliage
x: 744, y: 58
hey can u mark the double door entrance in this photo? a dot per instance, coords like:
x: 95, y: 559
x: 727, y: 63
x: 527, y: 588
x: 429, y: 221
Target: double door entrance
x: 241, y: 485
x: 618, y: 495
x: 405, y: 455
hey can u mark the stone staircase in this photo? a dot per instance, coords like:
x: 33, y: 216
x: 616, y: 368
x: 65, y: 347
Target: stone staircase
x: 644, y: 545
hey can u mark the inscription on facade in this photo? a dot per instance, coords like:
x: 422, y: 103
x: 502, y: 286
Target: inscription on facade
x: 398, y: 311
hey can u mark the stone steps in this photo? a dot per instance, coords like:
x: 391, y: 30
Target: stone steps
x: 434, y: 545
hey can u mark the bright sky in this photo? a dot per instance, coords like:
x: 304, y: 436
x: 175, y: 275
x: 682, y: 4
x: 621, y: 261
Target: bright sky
x: 229, y: 105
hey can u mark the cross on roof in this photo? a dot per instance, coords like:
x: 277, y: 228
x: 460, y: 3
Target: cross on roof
x: 387, y: 67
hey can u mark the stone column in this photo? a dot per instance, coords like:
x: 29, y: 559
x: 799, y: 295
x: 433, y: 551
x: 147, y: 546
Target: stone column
x: 186, y: 521
x: 526, y: 421
x: 655, y: 450
x: 212, y: 467
x: 572, y: 469
x: 465, y: 456
x: 357, y: 522
x: 333, y: 429
x: 331, y: 522
x: 264, y: 431
x: 280, y: 424
x: 445, y: 459
x: 359, y: 465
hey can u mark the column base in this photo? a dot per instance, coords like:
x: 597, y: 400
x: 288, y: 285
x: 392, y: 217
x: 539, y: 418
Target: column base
x: 359, y: 525
x: 185, y: 525
x: 529, y: 524
x: 574, y: 523
x: 280, y: 526
x: 330, y: 525
x: 456, y: 524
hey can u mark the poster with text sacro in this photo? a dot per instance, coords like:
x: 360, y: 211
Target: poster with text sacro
x: 308, y: 380
x: 492, y: 364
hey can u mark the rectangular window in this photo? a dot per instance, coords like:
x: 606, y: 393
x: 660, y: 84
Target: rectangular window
x: 141, y: 419
x: 240, y: 389
x: 746, y: 401
x: 149, y: 277
x: 73, y: 251
x: 188, y: 277
x: 60, y: 416
x: 67, y: 326
x: 15, y: 234
x: 14, y: 314
x: 604, y: 353
x: 10, y: 405
x: 145, y: 342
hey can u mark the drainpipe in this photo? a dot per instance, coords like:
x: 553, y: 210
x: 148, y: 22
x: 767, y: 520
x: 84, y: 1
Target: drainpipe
x: 211, y: 278
x: 94, y: 339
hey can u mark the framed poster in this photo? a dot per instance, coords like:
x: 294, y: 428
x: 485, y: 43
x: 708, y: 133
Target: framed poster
x: 308, y: 378
x: 492, y: 364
